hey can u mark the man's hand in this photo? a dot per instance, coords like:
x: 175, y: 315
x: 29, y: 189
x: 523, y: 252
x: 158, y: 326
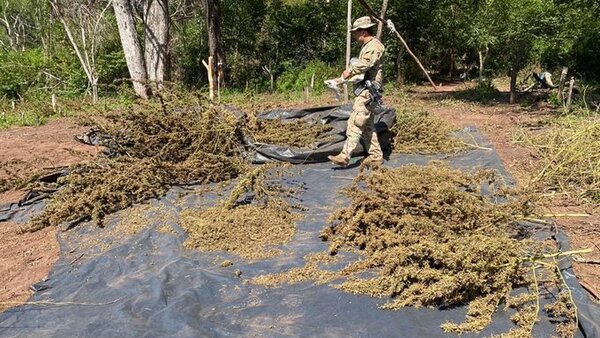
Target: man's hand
x: 346, y: 74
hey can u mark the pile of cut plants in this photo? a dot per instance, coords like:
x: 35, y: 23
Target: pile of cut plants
x: 429, y: 237
x: 292, y: 134
x: 256, y: 216
x: 153, y: 146
x: 569, y: 149
x: 419, y: 132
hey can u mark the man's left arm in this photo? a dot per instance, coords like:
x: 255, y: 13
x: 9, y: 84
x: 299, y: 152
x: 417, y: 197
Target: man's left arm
x: 364, y: 64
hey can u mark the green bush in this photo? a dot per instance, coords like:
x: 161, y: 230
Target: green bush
x: 297, y: 79
x: 485, y: 92
x: 19, y: 71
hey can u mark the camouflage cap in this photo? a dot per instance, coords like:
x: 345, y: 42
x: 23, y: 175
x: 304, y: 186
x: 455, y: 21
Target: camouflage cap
x: 362, y: 23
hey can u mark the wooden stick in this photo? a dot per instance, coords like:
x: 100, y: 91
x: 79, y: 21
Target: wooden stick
x: 586, y: 261
x: 211, y: 85
x: 348, y: 47
x: 54, y: 102
x: 384, y: 7
x: 570, y: 98
x: 565, y: 215
x: 561, y: 85
x: 376, y: 17
x: 589, y: 289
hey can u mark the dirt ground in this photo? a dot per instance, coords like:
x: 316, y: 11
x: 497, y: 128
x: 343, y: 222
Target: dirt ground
x: 27, y: 259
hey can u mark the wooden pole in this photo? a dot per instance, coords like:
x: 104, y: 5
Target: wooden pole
x: 561, y: 85
x: 348, y: 48
x: 384, y: 7
x: 570, y: 98
x: 54, y: 102
x: 211, y: 84
x: 393, y: 29
x: 219, y: 73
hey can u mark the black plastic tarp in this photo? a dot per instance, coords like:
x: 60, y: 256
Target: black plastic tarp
x: 148, y: 285
x: 331, y: 143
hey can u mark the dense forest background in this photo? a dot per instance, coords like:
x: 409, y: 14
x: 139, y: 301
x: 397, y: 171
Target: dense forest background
x: 281, y: 44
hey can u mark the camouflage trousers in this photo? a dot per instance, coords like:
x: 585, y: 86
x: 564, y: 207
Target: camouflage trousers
x: 361, y: 128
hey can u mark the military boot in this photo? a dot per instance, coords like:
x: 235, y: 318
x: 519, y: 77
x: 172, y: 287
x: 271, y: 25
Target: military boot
x: 340, y: 160
x: 373, y: 162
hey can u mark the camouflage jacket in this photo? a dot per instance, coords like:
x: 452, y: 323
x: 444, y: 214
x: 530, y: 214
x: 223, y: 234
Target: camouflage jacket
x: 370, y: 61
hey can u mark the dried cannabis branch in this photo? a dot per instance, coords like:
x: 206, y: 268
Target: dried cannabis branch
x: 429, y: 237
x: 422, y: 133
x: 156, y: 145
x: 570, y: 153
x: 254, y: 217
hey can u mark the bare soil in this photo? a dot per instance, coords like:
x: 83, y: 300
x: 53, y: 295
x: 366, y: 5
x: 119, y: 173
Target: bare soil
x: 26, y: 150
x: 27, y: 258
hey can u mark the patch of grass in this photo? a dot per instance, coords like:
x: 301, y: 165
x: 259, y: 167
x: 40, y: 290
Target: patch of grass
x: 37, y: 111
x: 24, y: 115
x: 569, y: 149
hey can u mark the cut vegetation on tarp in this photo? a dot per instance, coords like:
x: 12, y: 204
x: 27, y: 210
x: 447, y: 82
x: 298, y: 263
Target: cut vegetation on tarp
x: 430, y: 237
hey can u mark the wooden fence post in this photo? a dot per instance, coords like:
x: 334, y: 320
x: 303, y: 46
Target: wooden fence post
x: 570, y: 98
x: 561, y: 85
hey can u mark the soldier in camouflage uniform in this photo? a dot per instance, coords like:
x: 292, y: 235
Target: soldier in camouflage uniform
x: 361, y: 125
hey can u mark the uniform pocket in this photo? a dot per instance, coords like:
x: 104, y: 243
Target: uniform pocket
x: 361, y: 120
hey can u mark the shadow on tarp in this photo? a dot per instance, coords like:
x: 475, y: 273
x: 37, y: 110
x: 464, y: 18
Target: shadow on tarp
x: 147, y: 285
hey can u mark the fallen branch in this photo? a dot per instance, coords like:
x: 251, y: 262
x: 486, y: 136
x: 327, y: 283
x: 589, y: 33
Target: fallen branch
x: 590, y: 290
x: 586, y: 261
x: 565, y: 215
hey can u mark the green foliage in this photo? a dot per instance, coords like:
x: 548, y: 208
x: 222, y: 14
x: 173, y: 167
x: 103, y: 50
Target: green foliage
x: 292, y: 39
x: 485, y: 92
x: 30, y: 113
x: 297, y: 79
x: 19, y: 71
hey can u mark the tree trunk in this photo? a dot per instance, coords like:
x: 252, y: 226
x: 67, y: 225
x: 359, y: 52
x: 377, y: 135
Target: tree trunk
x: 88, y: 68
x: 451, y: 68
x: 561, y: 85
x: 399, y: 70
x: 212, y: 15
x: 513, y: 84
x: 156, y: 24
x: 131, y: 47
x: 482, y: 59
x: 348, y: 47
x: 384, y: 7
x: 517, y: 64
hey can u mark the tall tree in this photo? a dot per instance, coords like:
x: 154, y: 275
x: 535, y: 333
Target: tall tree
x: 212, y: 15
x: 153, y: 63
x: 384, y: 8
x: 82, y: 23
x: 156, y: 26
x: 131, y: 46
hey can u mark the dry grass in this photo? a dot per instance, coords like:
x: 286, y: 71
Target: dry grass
x: 292, y: 134
x: 570, y: 156
x: 429, y: 238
